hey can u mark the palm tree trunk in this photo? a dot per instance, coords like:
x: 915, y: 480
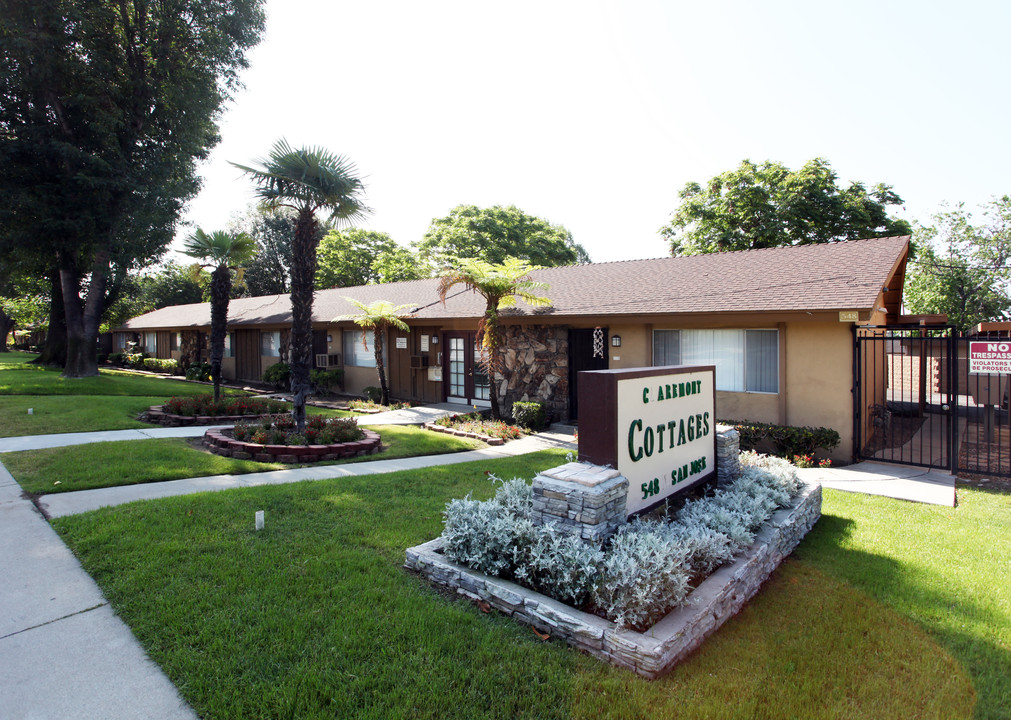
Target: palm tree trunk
x: 303, y: 270
x: 381, y: 366
x: 221, y: 286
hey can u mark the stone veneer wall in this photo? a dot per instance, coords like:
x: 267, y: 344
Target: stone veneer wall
x: 728, y: 454
x: 536, y: 360
x: 653, y: 653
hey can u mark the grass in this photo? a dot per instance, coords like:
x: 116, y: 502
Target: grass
x: 129, y: 462
x: 887, y: 610
x: 110, y: 401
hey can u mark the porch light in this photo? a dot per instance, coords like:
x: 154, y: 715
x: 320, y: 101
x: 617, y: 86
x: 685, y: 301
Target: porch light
x: 616, y: 341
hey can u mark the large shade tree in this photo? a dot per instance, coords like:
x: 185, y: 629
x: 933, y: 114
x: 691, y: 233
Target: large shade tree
x: 495, y: 233
x: 364, y: 257
x: 105, y: 108
x: 962, y: 266
x: 500, y: 285
x: 769, y: 205
x: 379, y: 317
x: 307, y: 180
x: 222, y: 253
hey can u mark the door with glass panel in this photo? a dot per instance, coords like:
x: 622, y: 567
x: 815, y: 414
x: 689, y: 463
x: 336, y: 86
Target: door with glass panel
x: 465, y: 377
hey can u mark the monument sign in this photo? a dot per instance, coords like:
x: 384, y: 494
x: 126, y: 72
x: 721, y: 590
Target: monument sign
x: 656, y: 426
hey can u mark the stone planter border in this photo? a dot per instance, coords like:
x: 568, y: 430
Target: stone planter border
x: 221, y: 444
x: 157, y: 414
x: 460, y: 433
x: 654, y: 652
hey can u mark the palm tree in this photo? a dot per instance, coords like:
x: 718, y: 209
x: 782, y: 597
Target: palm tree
x: 379, y: 316
x: 500, y: 285
x: 307, y: 180
x: 224, y: 253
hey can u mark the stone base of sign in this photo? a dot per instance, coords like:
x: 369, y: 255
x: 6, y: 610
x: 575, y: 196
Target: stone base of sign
x: 728, y: 453
x: 654, y: 652
x: 580, y: 499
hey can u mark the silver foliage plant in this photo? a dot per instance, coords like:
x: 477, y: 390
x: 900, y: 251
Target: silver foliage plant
x: 647, y: 567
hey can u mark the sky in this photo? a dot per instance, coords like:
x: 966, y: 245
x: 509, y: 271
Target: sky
x: 593, y: 115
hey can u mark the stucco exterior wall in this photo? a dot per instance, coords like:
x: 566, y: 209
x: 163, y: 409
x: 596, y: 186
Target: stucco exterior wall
x: 819, y: 380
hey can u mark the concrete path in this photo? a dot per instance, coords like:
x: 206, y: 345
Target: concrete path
x: 64, y: 654
x: 71, y: 503
x: 903, y: 482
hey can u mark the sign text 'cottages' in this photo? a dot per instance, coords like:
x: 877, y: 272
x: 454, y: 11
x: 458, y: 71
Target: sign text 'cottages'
x: 656, y: 426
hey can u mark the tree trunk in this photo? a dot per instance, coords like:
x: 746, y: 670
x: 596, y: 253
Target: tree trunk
x: 53, y: 350
x: 377, y: 340
x: 83, y: 318
x: 221, y: 287
x: 6, y: 325
x: 490, y: 351
x: 303, y: 270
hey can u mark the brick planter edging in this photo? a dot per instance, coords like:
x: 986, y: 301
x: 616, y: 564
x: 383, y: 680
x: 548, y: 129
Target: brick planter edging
x: 157, y: 414
x: 221, y: 444
x: 460, y: 433
x: 654, y: 652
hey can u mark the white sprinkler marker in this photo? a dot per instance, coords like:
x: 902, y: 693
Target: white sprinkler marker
x: 259, y: 519
x: 31, y: 411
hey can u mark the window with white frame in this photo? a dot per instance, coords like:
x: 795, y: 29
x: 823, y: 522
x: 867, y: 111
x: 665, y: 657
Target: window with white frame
x: 270, y: 343
x: 150, y: 343
x: 355, y: 354
x: 745, y: 360
x: 229, y: 344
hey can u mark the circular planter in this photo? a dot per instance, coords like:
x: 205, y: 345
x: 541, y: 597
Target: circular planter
x: 220, y: 442
x: 157, y: 415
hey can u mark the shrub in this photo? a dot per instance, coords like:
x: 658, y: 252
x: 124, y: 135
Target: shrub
x: 136, y: 360
x: 278, y: 375
x: 785, y: 440
x: 530, y: 415
x: 647, y: 567
x: 280, y: 430
x: 326, y: 380
x: 199, y: 371
x: 478, y: 424
x: 373, y: 393
x: 117, y: 358
x: 205, y: 405
x: 103, y: 358
x: 156, y: 365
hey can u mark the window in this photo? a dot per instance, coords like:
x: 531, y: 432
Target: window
x: 270, y: 343
x: 229, y: 345
x: 356, y: 355
x: 150, y: 343
x: 174, y: 340
x: 745, y: 360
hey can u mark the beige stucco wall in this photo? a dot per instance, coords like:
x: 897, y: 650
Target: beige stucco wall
x: 819, y: 380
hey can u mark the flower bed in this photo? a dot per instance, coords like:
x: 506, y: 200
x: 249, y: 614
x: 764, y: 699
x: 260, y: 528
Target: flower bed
x: 273, y: 439
x: 367, y: 406
x: 476, y: 426
x: 654, y: 652
x: 202, y: 410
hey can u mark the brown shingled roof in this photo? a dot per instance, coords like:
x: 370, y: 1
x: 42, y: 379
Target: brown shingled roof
x: 835, y: 276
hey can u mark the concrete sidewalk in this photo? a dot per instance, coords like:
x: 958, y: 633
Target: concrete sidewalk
x: 902, y: 482
x: 71, y: 503
x: 64, y: 654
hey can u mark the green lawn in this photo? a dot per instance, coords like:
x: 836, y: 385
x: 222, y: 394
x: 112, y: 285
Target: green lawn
x: 887, y: 610
x: 110, y: 401
x: 128, y: 462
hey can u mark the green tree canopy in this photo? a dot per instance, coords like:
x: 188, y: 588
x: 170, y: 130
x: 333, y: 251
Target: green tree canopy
x: 769, y: 205
x: 961, y: 266
x: 162, y: 286
x: 106, y: 107
x: 495, y: 233
x: 364, y: 257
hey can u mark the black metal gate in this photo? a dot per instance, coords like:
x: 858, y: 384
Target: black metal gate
x: 916, y: 403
